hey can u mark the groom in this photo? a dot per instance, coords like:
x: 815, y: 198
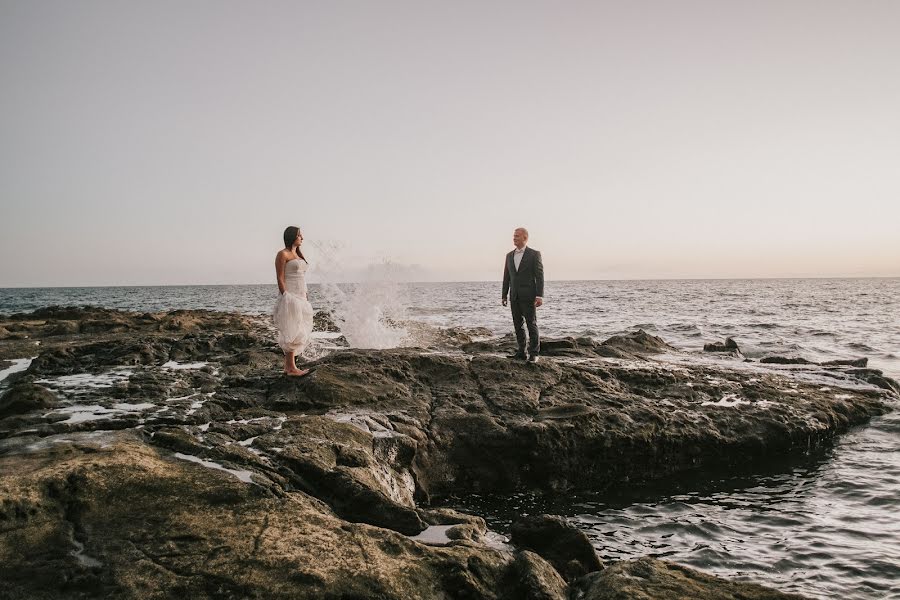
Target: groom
x: 523, y: 281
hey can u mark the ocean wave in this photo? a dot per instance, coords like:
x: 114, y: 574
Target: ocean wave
x: 821, y: 333
x: 682, y: 327
x: 860, y: 346
x: 429, y: 310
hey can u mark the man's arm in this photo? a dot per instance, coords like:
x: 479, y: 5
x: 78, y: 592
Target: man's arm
x: 538, y: 278
x: 505, y: 279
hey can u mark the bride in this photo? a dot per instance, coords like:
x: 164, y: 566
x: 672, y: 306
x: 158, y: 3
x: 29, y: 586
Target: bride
x: 293, y: 313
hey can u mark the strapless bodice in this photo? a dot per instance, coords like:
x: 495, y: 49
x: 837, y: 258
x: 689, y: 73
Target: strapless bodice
x: 295, y: 277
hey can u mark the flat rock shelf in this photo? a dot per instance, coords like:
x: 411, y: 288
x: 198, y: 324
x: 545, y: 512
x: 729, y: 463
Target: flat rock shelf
x: 156, y: 455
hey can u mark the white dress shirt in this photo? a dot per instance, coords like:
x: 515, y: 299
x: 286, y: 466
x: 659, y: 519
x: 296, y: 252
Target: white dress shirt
x: 517, y: 256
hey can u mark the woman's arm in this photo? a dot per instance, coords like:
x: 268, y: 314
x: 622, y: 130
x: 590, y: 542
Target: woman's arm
x: 279, y: 271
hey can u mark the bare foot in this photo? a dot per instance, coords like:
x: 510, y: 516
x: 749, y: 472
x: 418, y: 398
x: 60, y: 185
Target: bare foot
x: 297, y: 372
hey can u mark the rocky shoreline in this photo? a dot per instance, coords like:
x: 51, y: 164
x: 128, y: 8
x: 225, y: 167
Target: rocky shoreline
x: 149, y: 455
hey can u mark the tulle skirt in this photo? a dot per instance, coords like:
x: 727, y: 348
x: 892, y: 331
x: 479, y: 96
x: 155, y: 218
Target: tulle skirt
x: 293, y: 318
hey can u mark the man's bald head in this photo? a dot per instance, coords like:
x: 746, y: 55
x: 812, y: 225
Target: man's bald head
x: 520, y: 236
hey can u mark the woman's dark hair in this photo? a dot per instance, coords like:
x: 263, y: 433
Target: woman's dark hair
x: 290, y: 234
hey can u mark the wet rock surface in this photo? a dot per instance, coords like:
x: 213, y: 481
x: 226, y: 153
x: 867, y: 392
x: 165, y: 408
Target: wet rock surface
x: 650, y: 579
x: 24, y: 398
x: 149, y: 455
x: 563, y: 545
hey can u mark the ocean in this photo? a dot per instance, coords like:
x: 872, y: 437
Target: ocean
x: 819, y: 319
x: 823, y: 525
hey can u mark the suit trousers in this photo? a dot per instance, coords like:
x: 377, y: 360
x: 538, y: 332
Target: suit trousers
x: 524, y: 315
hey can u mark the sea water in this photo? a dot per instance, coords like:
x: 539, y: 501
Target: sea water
x: 823, y: 525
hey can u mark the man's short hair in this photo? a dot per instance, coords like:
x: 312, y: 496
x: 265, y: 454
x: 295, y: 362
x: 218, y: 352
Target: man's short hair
x: 523, y: 230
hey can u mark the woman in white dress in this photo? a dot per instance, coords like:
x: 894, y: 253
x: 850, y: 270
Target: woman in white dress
x: 293, y: 313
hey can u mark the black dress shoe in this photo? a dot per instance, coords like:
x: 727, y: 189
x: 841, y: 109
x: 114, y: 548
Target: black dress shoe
x: 517, y: 356
x: 533, y: 358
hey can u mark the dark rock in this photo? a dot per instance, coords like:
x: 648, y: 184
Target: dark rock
x: 465, y: 527
x: 364, y: 488
x: 639, y: 342
x: 63, y: 328
x: 729, y: 346
x: 875, y: 377
x: 605, y: 351
x: 651, y: 579
x: 536, y: 579
x: 852, y: 362
x: 178, y: 440
x: 92, y: 326
x: 449, y: 516
x: 465, y: 531
x: 796, y: 360
x: 25, y: 397
x: 503, y: 345
x: 324, y: 321
x: 785, y: 360
x: 561, y: 544
x: 563, y: 347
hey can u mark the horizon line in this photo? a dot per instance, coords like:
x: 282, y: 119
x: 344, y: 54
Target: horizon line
x: 822, y: 277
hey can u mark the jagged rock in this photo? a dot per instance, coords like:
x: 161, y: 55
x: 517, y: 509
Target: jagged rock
x: 639, y: 342
x: 651, y: 579
x: 852, y: 362
x: 25, y: 397
x: 365, y: 489
x: 729, y: 346
x: 536, y: 579
x: 567, y: 347
x: 875, y: 377
x: 324, y: 321
x: 561, y: 544
x: 794, y: 360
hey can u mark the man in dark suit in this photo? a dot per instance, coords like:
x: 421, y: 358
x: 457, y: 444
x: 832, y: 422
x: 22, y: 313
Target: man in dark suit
x: 523, y: 282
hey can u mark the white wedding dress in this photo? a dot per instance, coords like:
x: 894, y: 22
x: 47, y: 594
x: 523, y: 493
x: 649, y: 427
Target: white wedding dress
x: 293, y: 313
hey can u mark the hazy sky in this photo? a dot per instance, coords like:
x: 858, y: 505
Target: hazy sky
x: 170, y: 142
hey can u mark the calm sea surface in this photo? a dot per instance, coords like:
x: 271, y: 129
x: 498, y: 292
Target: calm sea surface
x: 824, y: 525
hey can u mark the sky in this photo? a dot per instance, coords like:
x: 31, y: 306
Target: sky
x: 171, y: 142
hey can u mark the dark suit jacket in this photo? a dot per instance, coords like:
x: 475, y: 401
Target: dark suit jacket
x: 528, y: 282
